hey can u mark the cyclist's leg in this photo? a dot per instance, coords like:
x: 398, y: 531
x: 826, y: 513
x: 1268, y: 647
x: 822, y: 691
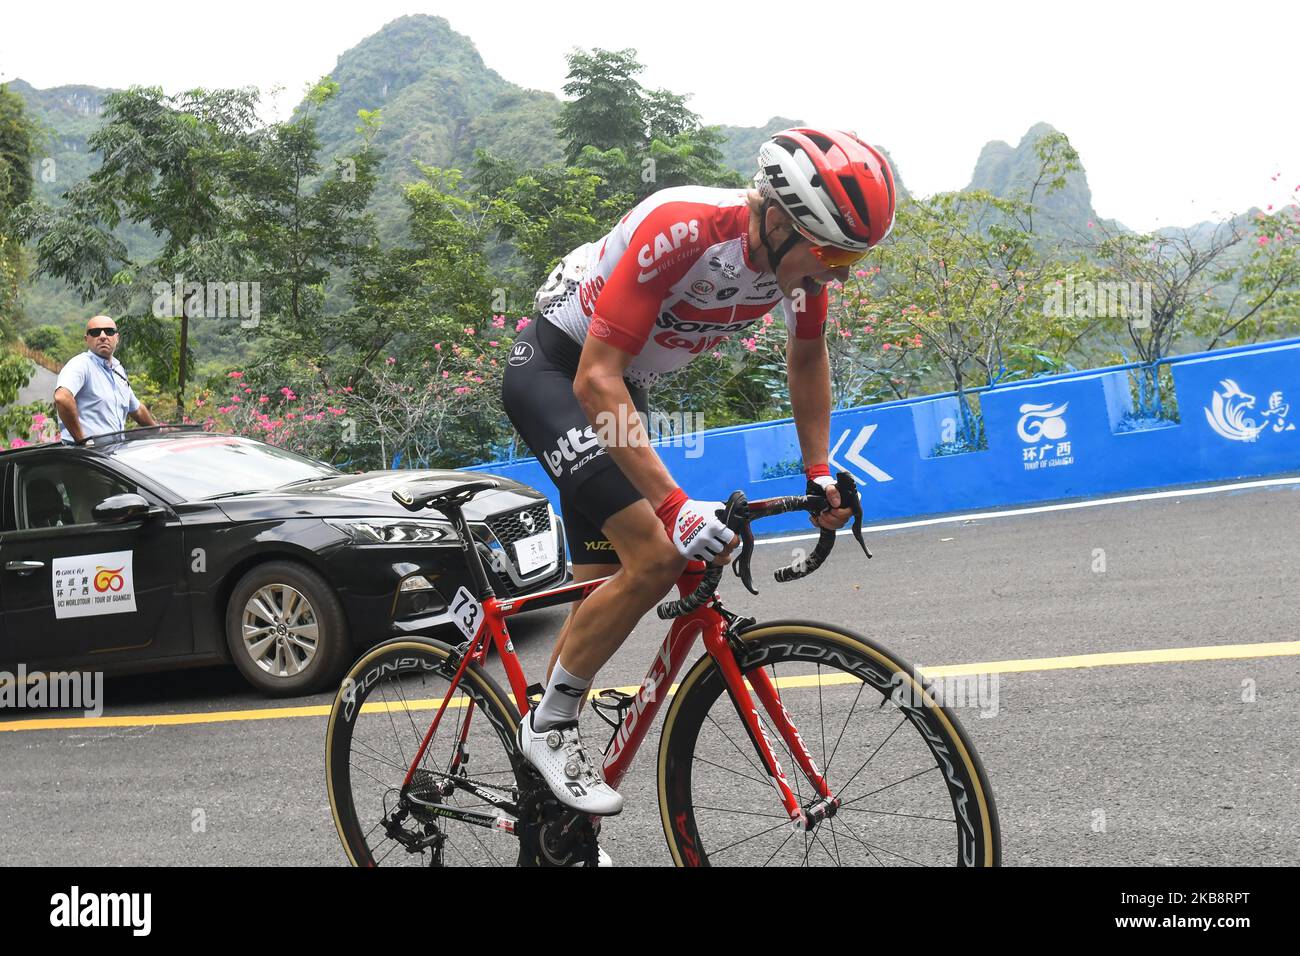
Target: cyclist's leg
x: 593, y: 557
x: 650, y: 565
x: 581, y: 572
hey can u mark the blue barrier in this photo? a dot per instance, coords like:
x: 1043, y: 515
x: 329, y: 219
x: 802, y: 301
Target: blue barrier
x: 1061, y: 436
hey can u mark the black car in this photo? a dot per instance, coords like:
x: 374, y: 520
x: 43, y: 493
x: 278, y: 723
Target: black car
x: 168, y: 547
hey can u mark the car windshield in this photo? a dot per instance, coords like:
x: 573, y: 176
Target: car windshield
x: 204, y: 466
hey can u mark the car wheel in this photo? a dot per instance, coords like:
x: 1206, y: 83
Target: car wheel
x: 285, y: 629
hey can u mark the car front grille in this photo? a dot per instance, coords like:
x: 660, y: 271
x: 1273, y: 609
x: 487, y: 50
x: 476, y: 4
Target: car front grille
x: 514, y: 526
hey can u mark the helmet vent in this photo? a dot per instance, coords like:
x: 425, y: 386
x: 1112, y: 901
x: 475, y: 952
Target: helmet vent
x: 859, y: 201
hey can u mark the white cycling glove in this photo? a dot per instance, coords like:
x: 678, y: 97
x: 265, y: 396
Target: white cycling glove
x: 694, y: 526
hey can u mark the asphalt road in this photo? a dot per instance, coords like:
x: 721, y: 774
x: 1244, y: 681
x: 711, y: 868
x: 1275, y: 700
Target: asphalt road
x: 1179, y: 762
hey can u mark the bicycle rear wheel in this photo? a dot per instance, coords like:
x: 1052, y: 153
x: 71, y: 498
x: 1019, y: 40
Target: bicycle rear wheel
x: 912, y: 788
x: 446, y: 817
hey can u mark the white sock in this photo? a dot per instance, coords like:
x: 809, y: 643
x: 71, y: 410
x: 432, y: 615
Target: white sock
x: 561, y: 701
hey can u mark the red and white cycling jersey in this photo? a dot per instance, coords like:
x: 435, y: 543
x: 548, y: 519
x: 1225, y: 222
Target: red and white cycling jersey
x: 670, y: 282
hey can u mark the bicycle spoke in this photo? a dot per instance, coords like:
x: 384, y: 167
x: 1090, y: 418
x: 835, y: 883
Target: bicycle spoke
x: 778, y: 849
x: 756, y: 767
x: 406, y: 708
x: 401, y: 751
x: 920, y: 773
x: 873, y: 754
x: 455, y: 847
x: 853, y: 836
x: 818, y: 838
x: 380, y: 861
x: 892, y: 813
x: 370, y: 775
x: 750, y: 837
x: 377, y: 757
x: 763, y: 783
x: 836, y: 748
x: 892, y: 853
x: 751, y: 813
x: 477, y: 839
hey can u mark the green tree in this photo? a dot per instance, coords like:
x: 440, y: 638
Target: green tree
x: 51, y: 340
x: 165, y: 164
x: 607, y: 109
x: 430, y: 290
x: 639, y: 140
x: 1265, y: 288
x: 299, y: 225
x: 17, y: 145
x: 546, y: 212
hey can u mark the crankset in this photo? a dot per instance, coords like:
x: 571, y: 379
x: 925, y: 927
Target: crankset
x: 551, y: 834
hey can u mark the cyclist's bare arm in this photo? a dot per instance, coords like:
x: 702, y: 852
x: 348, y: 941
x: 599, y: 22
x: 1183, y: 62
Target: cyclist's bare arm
x: 808, y: 373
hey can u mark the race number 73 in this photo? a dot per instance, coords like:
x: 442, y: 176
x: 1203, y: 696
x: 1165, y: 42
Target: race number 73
x: 466, y: 613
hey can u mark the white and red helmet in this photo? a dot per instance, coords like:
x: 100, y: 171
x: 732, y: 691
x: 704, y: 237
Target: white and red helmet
x: 838, y: 190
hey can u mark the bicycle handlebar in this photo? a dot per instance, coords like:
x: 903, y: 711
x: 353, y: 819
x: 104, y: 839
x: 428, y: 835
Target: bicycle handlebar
x: 739, y: 513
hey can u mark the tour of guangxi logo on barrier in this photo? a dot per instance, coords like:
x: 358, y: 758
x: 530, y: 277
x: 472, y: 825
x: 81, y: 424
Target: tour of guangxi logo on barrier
x: 1228, y: 408
x: 1039, y: 422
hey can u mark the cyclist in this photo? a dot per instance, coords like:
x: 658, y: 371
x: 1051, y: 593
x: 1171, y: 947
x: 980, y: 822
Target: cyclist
x: 687, y: 267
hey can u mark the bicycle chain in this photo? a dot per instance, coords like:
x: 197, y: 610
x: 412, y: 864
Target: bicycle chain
x: 494, y: 787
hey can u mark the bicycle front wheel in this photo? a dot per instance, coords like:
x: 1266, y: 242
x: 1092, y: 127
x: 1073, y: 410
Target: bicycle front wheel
x: 912, y: 790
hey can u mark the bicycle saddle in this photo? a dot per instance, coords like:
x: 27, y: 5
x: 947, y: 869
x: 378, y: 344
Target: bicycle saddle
x: 437, y: 494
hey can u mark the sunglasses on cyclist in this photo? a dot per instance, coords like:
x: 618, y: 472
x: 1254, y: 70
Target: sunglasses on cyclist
x: 96, y: 333
x: 833, y: 256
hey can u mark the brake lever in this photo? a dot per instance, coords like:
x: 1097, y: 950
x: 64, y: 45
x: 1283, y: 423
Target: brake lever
x: 735, y: 515
x: 849, y: 497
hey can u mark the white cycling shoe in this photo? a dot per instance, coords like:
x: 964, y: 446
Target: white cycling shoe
x: 560, y: 758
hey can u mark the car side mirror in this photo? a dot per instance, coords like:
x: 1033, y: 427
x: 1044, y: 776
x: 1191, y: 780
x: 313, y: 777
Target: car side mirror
x: 120, y: 508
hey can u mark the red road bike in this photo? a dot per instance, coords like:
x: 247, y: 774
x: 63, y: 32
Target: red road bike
x: 789, y: 742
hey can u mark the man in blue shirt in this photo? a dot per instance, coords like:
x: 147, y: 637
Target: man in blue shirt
x: 92, y: 393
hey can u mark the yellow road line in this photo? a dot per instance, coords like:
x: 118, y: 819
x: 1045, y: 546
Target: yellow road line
x: 1173, y: 655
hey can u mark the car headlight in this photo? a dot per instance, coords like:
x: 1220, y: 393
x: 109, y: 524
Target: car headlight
x: 391, y: 530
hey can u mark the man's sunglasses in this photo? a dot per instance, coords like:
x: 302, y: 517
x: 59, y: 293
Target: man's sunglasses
x: 833, y: 256
x: 96, y: 333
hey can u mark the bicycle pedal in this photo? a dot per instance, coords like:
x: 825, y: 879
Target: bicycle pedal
x: 535, y: 692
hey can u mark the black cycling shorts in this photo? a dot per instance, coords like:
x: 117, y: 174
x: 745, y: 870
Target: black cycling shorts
x: 537, y: 392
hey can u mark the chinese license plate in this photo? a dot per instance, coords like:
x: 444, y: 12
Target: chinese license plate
x: 535, y: 551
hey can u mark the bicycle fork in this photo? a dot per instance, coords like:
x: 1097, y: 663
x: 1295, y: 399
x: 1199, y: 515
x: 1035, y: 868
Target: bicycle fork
x: 803, y: 818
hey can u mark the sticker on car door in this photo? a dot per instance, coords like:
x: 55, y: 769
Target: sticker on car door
x: 89, y: 584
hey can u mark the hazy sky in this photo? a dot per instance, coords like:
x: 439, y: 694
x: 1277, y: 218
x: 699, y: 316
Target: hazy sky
x: 1179, y: 110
